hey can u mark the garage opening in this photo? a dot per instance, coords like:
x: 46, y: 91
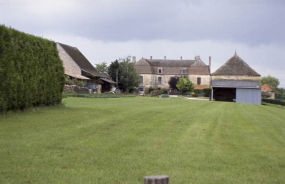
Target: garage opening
x: 224, y: 94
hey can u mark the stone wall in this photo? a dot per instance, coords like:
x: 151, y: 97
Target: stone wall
x: 68, y: 63
x: 76, y: 89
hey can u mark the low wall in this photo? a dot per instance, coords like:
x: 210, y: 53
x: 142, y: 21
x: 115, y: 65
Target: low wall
x: 76, y: 89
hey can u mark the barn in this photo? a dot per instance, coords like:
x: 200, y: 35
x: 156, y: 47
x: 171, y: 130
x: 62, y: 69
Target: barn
x: 236, y: 81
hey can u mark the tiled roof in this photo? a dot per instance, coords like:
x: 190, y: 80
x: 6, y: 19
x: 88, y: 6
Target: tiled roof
x: 236, y: 66
x: 80, y: 59
x: 265, y: 87
x: 199, y: 70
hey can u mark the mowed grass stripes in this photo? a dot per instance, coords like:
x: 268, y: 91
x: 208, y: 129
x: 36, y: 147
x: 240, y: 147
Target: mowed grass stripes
x: 123, y: 140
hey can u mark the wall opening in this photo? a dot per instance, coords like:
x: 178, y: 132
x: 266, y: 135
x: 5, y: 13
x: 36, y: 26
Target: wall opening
x: 224, y: 94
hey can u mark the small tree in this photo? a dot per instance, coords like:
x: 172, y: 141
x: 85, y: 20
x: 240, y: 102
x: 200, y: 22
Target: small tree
x: 173, y: 82
x: 102, y: 67
x: 184, y: 84
x: 128, y: 76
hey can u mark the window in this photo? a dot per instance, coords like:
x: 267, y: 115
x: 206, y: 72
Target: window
x: 199, y: 81
x: 141, y: 89
x: 159, y: 70
x: 184, y: 71
x: 159, y: 80
x: 141, y: 79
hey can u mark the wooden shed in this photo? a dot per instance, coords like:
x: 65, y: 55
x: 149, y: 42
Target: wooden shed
x: 236, y: 81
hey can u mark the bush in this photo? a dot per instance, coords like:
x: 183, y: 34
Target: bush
x: 31, y: 71
x: 156, y: 93
x: 278, y: 102
x: 164, y: 91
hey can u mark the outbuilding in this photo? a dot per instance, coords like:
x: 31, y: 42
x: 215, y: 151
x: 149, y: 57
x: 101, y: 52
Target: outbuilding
x: 236, y: 81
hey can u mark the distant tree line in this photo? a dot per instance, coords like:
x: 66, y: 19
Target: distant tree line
x: 31, y: 71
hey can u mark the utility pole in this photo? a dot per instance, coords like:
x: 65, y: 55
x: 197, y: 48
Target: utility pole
x: 117, y: 81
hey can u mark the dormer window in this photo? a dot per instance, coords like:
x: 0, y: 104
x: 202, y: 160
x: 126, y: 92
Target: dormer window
x: 159, y: 70
x: 184, y: 71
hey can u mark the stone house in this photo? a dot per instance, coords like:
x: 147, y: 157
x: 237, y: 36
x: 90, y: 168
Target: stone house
x: 267, y: 92
x: 158, y: 72
x: 236, y: 81
x: 77, y: 66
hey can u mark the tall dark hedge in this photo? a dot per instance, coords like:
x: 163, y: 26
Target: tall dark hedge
x: 31, y: 72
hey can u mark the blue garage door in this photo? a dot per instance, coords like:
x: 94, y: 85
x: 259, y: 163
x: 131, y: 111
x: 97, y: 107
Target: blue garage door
x: 251, y: 96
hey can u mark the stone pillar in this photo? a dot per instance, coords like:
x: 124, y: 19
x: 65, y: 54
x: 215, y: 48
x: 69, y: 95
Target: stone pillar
x: 156, y: 179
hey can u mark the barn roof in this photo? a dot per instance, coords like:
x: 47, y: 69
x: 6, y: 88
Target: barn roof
x: 236, y: 66
x: 80, y: 60
x: 265, y: 87
x: 236, y: 84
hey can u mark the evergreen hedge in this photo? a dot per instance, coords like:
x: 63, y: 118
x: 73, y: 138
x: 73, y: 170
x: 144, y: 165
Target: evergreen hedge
x: 278, y: 102
x: 31, y: 72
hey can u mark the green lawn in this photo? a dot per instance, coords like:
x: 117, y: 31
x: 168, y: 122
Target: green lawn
x: 122, y: 140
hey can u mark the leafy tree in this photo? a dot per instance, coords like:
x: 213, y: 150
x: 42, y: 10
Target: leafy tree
x: 184, y: 84
x: 102, y: 67
x: 272, y: 82
x: 280, y: 93
x: 113, y: 67
x: 128, y: 76
x: 173, y: 82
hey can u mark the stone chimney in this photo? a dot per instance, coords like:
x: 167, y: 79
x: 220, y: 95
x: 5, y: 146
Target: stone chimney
x: 197, y: 58
x: 150, y: 57
x: 180, y: 57
x: 210, y: 63
x: 134, y: 59
x: 164, y: 57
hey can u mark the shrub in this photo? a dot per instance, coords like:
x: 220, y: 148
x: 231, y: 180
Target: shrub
x: 164, y: 91
x: 31, y: 71
x: 278, y: 102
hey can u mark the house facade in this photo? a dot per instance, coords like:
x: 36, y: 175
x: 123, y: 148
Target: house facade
x: 158, y: 72
x: 77, y: 66
x: 236, y: 81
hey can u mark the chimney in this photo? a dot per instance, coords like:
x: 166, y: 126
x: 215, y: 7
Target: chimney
x: 134, y: 59
x: 197, y: 57
x: 151, y: 57
x: 210, y: 63
x: 164, y: 57
x: 180, y: 57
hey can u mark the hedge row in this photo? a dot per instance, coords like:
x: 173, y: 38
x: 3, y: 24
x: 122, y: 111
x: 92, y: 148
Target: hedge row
x: 278, y: 102
x: 31, y: 71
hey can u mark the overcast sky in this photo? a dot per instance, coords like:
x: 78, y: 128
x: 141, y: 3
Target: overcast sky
x: 105, y: 30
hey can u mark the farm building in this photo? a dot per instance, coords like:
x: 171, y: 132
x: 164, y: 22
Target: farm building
x: 157, y: 73
x: 76, y: 66
x: 267, y: 92
x: 236, y: 81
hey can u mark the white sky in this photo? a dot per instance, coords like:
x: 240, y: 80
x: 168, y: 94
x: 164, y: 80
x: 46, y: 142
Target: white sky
x: 105, y: 30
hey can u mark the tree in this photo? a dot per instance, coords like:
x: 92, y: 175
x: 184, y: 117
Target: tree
x: 128, y: 76
x: 173, y: 82
x: 184, y: 84
x: 280, y: 93
x: 113, y: 67
x: 272, y: 82
x: 102, y: 67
